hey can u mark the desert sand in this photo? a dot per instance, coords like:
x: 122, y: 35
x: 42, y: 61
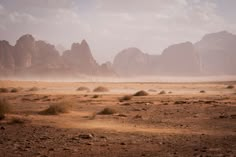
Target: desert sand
x: 175, y: 119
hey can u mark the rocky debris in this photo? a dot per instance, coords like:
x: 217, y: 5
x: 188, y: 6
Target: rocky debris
x: 86, y: 136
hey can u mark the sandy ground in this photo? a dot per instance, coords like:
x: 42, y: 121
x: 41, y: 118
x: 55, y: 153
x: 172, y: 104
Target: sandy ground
x: 182, y: 122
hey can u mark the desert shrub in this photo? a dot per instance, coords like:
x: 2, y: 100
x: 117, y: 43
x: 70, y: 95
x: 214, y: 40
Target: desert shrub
x: 101, y: 89
x: 4, y: 108
x: 125, y: 98
x: 33, y: 89
x: 17, y: 120
x: 141, y: 93
x: 230, y: 87
x: 55, y: 109
x: 95, y: 96
x: 83, y: 89
x: 4, y: 90
x: 202, y: 91
x: 15, y: 90
x: 162, y: 92
x: 107, y: 111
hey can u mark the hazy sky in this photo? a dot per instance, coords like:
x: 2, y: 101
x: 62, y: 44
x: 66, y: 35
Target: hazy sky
x: 112, y: 25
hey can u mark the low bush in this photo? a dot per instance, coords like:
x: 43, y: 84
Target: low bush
x: 230, y: 87
x: 125, y: 98
x: 107, y: 111
x: 101, y: 89
x: 55, y: 109
x: 4, y: 108
x: 4, y: 90
x: 86, y: 89
x: 141, y: 93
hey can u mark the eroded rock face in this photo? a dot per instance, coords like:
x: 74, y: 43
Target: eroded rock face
x: 6, y: 55
x: 7, y: 63
x: 179, y: 59
x: 217, y: 53
x: 131, y: 62
x: 106, y: 69
x: 41, y: 59
x: 24, y: 49
x: 80, y: 58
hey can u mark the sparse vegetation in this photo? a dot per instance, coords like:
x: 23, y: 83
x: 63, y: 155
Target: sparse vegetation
x: 34, y: 89
x: 230, y: 87
x: 125, y: 98
x: 202, y: 91
x: 141, y: 93
x: 95, y: 96
x: 4, y: 90
x: 55, y: 109
x: 86, y: 89
x: 15, y: 90
x: 101, y: 89
x: 108, y: 111
x: 162, y: 92
x: 4, y: 108
x: 17, y: 120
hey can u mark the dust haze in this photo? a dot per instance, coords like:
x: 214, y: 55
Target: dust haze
x: 117, y: 78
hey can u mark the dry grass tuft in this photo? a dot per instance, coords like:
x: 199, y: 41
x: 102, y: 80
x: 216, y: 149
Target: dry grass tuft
x: 141, y: 93
x: 4, y: 108
x: 202, y: 91
x: 162, y: 92
x: 4, y: 90
x: 15, y: 90
x: 96, y: 96
x: 125, y: 98
x: 55, y: 109
x: 86, y: 89
x: 33, y: 89
x: 108, y: 111
x: 230, y: 87
x: 101, y: 89
x: 17, y: 120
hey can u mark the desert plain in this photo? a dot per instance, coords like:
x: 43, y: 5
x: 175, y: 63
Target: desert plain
x: 174, y: 119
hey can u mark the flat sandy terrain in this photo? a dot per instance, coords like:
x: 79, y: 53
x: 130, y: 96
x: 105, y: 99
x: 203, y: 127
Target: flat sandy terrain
x: 181, y: 122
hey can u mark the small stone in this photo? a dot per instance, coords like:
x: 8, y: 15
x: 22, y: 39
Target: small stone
x: 86, y: 136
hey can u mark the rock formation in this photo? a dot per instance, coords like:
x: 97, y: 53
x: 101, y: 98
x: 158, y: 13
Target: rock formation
x: 31, y: 58
x: 179, y: 59
x: 217, y: 53
x: 80, y: 58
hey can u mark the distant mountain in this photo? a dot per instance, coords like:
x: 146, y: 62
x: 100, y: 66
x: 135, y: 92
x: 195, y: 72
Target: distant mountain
x: 179, y: 59
x: 80, y: 58
x: 132, y: 61
x: 215, y: 54
x: 40, y: 59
